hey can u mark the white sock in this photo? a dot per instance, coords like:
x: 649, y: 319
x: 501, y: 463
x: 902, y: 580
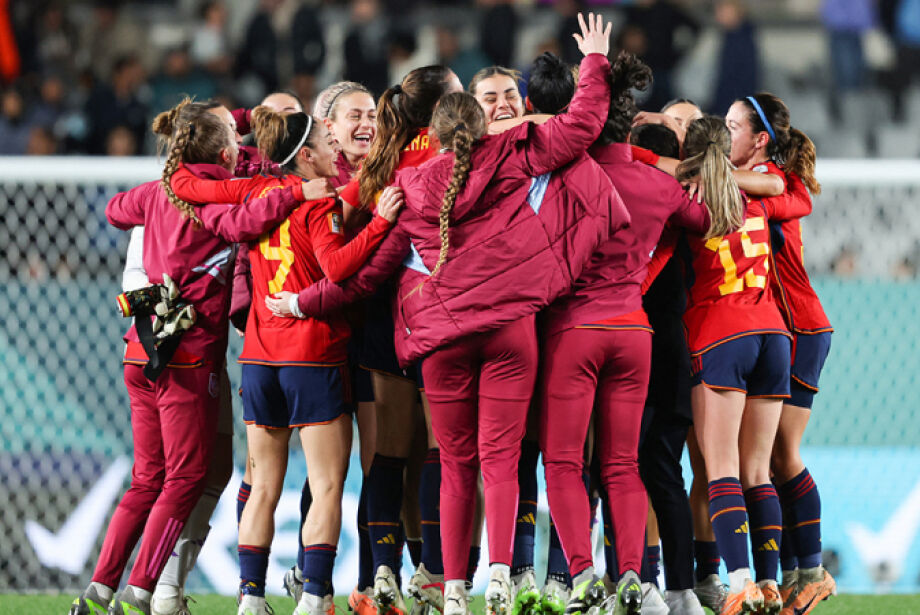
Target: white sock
x: 455, y: 587
x: 103, y: 591
x: 141, y: 594
x: 185, y: 553
x: 500, y: 569
x: 581, y: 577
x: 737, y: 579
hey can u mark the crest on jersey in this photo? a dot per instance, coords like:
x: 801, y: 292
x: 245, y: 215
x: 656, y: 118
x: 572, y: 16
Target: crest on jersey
x: 335, y: 222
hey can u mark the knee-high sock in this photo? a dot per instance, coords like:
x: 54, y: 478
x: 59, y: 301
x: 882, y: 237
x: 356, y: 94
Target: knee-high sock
x: 429, y: 502
x: 525, y: 528
x: 190, y: 541
x: 800, y: 497
x: 318, y: 560
x: 365, y: 556
x: 241, y: 498
x: 766, y: 529
x: 557, y: 567
x: 253, y: 564
x: 384, y: 500
x: 729, y: 521
x: 707, y: 558
x: 306, y: 499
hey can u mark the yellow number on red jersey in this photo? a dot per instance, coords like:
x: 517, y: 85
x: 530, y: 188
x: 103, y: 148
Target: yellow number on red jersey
x: 721, y: 245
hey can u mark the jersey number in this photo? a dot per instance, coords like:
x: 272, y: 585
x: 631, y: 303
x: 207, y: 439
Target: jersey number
x: 734, y: 284
x: 281, y: 252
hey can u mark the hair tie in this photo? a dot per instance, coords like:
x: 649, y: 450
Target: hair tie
x: 763, y: 117
x: 397, y: 89
x: 303, y: 140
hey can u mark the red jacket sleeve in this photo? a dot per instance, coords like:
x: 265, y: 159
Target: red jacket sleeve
x: 246, y: 221
x: 795, y: 202
x: 125, y: 210
x: 325, y: 296
x: 350, y: 193
x: 337, y: 259
x: 549, y: 146
x: 193, y: 189
x: 242, y: 117
x: 689, y: 214
x: 663, y: 253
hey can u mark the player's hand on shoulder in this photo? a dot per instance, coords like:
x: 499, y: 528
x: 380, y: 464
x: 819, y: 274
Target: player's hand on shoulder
x: 391, y: 201
x: 316, y: 189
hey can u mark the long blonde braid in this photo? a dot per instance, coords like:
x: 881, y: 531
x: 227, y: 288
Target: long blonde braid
x: 462, y: 146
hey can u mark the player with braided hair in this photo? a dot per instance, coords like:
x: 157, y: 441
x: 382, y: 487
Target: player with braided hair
x: 172, y: 445
x: 484, y: 225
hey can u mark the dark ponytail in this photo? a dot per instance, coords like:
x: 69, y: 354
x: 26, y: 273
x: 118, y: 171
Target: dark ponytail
x: 627, y: 74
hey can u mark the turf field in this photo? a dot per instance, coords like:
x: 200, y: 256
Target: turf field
x: 44, y: 604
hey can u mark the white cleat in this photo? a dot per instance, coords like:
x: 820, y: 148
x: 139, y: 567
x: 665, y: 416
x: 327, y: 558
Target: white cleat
x: 683, y: 602
x: 498, y: 594
x: 253, y: 605
x: 652, y: 601
x: 426, y: 588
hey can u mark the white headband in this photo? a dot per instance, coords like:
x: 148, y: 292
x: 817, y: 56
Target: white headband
x: 303, y: 140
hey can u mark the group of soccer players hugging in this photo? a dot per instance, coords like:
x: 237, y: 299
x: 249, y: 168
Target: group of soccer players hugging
x: 477, y: 280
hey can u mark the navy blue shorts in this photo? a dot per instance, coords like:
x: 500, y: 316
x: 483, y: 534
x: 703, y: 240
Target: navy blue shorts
x: 808, y: 355
x: 293, y: 396
x: 757, y: 365
x: 362, y: 388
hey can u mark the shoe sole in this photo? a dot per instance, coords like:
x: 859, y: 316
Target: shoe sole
x: 529, y: 604
x: 497, y: 606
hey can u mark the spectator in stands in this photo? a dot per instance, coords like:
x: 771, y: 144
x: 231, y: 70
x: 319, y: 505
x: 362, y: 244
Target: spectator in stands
x: 905, y: 22
x: 365, y: 61
x: 465, y: 62
x: 41, y: 142
x: 739, y: 60
x: 846, y: 21
x: 498, y: 28
x: 15, y: 123
x: 210, y: 47
x: 55, y: 41
x: 257, y: 59
x: 117, y: 104
x: 179, y: 78
x: 51, y: 105
x: 663, y: 23
x: 309, y: 50
x: 120, y: 142
x: 110, y: 36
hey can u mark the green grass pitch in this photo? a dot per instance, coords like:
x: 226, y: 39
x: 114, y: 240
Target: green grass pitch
x: 44, y: 604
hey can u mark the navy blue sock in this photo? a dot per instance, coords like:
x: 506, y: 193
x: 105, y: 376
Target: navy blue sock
x: 384, y: 500
x: 610, y: 547
x: 766, y: 518
x: 650, y: 567
x: 801, y: 499
x: 787, y: 558
x: 241, y: 498
x: 318, y: 561
x: 365, y: 556
x: 706, y: 553
x: 253, y: 564
x: 729, y: 521
x: 525, y: 528
x: 473, y: 563
x: 557, y: 567
x: 306, y: 499
x: 429, y: 498
x: 414, y: 547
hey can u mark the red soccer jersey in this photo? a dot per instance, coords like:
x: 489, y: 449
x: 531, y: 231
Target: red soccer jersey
x: 797, y: 300
x: 420, y: 149
x: 305, y: 248
x: 729, y: 296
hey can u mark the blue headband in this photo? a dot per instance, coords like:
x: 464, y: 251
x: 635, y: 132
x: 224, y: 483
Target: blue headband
x: 763, y: 117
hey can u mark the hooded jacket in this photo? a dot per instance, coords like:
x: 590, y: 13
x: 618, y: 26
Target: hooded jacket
x: 532, y: 211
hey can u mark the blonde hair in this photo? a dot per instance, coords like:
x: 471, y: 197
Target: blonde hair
x: 458, y: 122
x: 491, y: 71
x: 326, y: 102
x: 190, y: 134
x: 707, y: 146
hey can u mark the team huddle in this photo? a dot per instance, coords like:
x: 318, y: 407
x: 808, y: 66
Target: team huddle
x: 476, y: 280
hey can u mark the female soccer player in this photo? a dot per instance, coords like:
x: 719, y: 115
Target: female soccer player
x: 480, y: 385
x: 597, y: 346
x: 764, y: 140
x: 292, y: 369
x: 496, y: 90
x: 173, y: 446
x: 739, y: 348
x: 350, y: 113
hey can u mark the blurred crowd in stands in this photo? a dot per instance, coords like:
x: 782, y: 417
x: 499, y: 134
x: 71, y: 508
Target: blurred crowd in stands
x: 87, y: 76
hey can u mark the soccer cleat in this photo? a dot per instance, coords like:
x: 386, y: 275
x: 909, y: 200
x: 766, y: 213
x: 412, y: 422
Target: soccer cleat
x: 455, y: 602
x: 748, y: 600
x: 361, y: 603
x: 587, y: 597
x: 329, y: 604
x: 711, y: 592
x: 789, y: 587
x: 172, y: 605
x: 127, y: 603
x: 526, y: 594
x: 652, y: 601
x: 814, y: 585
x: 89, y: 603
x: 772, y: 600
x: 253, y: 605
x: 629, y: 594
x: 498, y: 594
x: 312, y: 605
x: 292, y: 584
x: 681, y: 602
x: 554, y: 597
x: 426, y: 589
x: 387, y: 597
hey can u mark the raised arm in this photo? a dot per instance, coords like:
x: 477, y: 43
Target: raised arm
x: 194, y: 189
x: 795, y: 202
x: 246, y: 221
x: 562, y: 138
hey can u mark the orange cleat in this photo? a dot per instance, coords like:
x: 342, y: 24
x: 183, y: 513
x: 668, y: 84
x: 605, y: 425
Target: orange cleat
x: 815, y: 585
x: 789, y: 588
x: 361, y: 603
x: 772, y: 599
x: 748, y: 600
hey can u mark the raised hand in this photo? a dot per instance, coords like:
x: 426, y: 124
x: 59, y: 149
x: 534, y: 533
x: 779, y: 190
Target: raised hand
x: 391, y: 201
x: 594, y: 37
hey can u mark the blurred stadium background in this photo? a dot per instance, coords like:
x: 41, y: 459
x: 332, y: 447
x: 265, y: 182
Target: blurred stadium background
x: 81, y: 80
